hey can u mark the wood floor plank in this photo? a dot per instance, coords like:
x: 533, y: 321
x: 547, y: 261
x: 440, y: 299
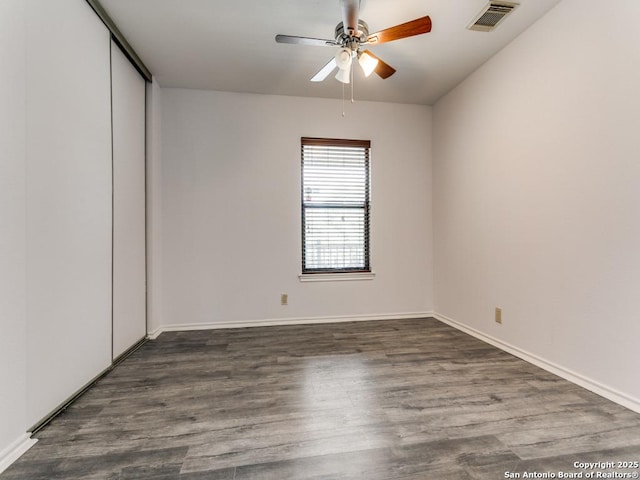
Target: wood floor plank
x: 392, y: 400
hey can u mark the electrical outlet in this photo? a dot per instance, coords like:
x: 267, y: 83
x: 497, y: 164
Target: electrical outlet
x: 499, y: 315
x: 284, y: 299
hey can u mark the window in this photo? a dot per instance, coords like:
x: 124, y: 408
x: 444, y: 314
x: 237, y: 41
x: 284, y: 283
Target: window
x: 335, y: 205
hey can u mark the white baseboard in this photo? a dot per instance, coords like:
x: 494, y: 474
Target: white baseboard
x: 573, y: 377
x: 284, y: 321
x: 15, y: 451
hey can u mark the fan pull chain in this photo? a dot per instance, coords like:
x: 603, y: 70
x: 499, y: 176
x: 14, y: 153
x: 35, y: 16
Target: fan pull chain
x: 343, y: 100
x: 351, y: 72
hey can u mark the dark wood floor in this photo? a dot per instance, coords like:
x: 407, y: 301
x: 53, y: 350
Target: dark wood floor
x: 410, y: 399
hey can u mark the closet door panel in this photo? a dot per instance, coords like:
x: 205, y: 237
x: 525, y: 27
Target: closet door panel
x: 68, y: 210
x: 129, y: 280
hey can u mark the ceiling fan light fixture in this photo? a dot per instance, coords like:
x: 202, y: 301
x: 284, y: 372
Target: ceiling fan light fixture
x: 350, y: 35
x: 343, y: 58
x: 367, y: 62
x: 343, y: 75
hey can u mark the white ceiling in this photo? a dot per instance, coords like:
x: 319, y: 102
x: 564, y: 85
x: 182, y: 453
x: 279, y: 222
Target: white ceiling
x: 229, y: 45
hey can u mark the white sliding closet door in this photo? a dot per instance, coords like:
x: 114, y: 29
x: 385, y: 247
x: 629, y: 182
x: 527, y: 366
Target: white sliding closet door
x: 68, y: 237
x: 129, y: 280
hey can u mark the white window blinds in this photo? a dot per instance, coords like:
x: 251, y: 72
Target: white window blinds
x: 335, y: 205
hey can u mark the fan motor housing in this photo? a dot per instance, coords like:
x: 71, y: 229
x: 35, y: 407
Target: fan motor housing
x: 350, y: 41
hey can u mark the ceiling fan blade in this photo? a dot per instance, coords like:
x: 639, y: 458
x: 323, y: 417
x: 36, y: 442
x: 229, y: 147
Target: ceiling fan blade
x: 325, y: 71
x: 383, y: 70
x: 316, y: 42
x: 350, y: 15
x: 404, y: 30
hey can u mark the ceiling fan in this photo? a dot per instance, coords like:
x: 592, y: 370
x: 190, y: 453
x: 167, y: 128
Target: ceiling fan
x: 350, y: 36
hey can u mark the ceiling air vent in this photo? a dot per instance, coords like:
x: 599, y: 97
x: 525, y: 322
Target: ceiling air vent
x: 491, y: 16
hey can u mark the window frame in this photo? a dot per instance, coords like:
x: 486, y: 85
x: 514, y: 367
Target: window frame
x: 323, y: 274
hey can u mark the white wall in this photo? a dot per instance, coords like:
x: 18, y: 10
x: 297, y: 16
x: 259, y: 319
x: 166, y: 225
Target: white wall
x: 231, y: 207
x: 12, y: 224
x: 68, y: 201
x: 536, y: 194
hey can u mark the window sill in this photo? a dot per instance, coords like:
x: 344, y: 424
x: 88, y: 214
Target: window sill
x: 336, y: 277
